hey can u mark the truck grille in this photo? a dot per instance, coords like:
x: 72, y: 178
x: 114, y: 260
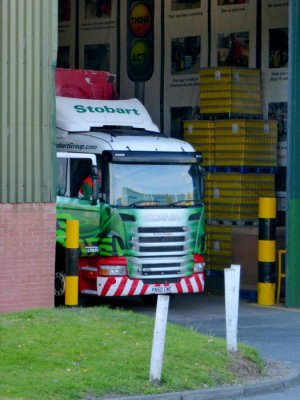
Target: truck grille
x: 161, y: 268
x: 171, y: 229
x: 157, y: 249
x: 161, y: 241
x: 162, y: 254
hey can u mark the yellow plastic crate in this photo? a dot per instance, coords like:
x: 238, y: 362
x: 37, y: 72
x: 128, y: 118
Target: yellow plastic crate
x: 213, y: 252
x: 230, y: 86
x: 230, y: 74
x: 255, y: 139
x: 238, y: 185
x: 246, y: 127
x: 237, y: 200
x: 232, y: 102
x: 199, y: 133
x: 217, y: 243
x: 252, y: 72
x: 247, y: 148
x: 228, y: 208
x: 232, y: 129
x: 234, y: 94
x: 223, y: 77
x: 234, y: 142
x: 213, y: 255
x: 251, y: 155
x: 195, y: 124
x: 225, y: 240
x: 233, y: 216
x: 246, y: 123
x: 243, y: 163
x: 219, y: 193
x: 246, y: 134
x: 218, y: 229
x: 234, y: 212
x: 239, y: 79
x: 219, y: 251
x: 238, y: 177
x: 231, y: 110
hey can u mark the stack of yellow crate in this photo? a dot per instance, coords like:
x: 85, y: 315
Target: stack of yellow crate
x: 219, y: 247
x: 245, y: 143
x: 201, y: 135
x: 230, y: 90
x: 239, y: 150
x: 234, y: 142
x: 233, y: 197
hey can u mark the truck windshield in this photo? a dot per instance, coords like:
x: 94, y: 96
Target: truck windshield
x: 157, y: 185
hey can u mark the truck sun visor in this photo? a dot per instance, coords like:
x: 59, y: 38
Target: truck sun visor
x: 79, y: 115
x: 153, y: 157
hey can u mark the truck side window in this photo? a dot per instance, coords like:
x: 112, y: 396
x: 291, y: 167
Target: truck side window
x: 80, y: 169
x: 61, y: 176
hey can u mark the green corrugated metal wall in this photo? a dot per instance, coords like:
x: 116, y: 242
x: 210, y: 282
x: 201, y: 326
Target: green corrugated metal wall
x: 28, y: 46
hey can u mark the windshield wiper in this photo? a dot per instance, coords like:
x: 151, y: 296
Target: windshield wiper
x: 144, y: 203
x: 185, y: 203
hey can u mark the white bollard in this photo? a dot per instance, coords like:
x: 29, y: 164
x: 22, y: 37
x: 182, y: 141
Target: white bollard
x: 232, y: 290
x: 159, y: 336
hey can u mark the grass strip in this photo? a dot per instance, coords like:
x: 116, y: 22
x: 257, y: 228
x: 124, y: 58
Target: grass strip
x: 73, y: 353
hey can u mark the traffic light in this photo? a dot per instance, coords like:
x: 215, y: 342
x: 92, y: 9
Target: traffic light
x: 140, y: 49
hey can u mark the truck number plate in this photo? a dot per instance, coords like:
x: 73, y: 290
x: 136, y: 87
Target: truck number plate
x: 162, y: 289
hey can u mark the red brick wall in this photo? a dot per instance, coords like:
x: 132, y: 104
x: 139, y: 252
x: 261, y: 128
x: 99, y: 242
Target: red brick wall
x: 27, y: 256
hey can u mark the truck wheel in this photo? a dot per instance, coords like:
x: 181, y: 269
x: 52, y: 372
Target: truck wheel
x: 60, y: 275
x: 59, y: 288
x: 60, y: 284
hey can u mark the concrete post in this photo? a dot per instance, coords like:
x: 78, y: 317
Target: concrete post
x: 159, y: 338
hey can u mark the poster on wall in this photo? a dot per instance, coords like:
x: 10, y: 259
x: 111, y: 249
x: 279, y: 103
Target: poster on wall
x: 186, y: 51
x: 66, y: 33
x: 140, y: 53
x: 98, y: 35
x: 275, y: 62
x: 233, y: 33
x: 275, y: 58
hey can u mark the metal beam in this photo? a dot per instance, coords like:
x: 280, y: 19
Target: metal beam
x: 293, y: 182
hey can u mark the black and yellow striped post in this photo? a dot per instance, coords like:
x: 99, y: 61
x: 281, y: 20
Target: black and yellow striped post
x: 266, y: 250
x: 72, y: 261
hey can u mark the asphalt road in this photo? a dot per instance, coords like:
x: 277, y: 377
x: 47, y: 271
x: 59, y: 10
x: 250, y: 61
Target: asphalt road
x: 275, y: 331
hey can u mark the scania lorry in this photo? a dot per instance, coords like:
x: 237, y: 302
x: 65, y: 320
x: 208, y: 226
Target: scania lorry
x: 142, y: 230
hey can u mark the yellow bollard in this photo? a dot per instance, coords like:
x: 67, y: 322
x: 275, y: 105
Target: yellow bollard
x: 72, y: 261
x: 266, y: 251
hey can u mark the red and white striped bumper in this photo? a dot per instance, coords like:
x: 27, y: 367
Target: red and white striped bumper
x: 124, y: 286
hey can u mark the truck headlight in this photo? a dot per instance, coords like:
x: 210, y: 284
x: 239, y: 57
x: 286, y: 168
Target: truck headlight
x: 113, y: 270
x: 199, y: 267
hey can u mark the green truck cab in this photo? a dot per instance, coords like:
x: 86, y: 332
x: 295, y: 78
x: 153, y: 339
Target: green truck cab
x: 142, y: 226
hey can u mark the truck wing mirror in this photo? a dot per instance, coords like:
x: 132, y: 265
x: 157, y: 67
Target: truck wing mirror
x: 95, y: 177
x: 199, y: 157
x: 202, y: 174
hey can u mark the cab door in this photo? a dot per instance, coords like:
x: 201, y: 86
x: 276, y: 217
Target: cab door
x: 72, y: 169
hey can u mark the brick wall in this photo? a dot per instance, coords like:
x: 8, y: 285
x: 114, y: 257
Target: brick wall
x: 27, y: 255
